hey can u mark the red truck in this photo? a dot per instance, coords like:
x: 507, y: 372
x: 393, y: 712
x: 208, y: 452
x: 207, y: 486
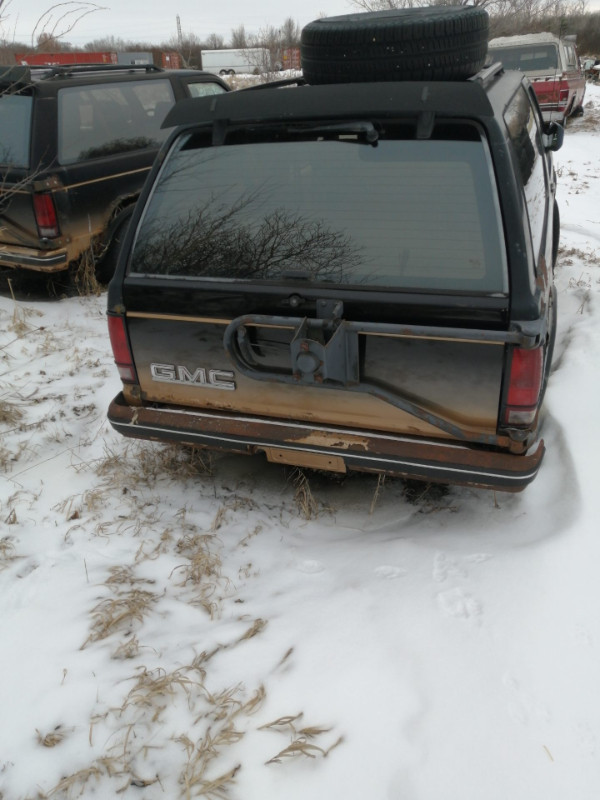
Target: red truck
x: 551, y: 64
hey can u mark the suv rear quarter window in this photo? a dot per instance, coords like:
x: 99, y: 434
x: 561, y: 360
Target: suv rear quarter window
x: 525, y: 134
x: 204, y: 88
x: 104, y: 119
x: 15, y: 128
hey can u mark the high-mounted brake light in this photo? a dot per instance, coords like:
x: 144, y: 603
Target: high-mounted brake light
x: 45, y: 216
x: 524, y: 386
x: 120, y: 346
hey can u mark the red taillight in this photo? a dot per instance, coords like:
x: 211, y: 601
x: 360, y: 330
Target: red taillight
x: 45, y: 216
x: 524, y: 385
x: 120, y: 346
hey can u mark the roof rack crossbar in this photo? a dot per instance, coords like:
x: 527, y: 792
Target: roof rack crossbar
x: 52, y: 71
x: 487, y: 74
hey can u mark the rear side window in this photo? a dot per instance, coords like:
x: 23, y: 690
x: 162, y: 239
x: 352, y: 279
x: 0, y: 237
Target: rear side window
x: 402, y: 214
x: 15, y: 128
x: 523, y: 128
x: 527, y: 58
x: 105, y: 119
x: 204, y: 88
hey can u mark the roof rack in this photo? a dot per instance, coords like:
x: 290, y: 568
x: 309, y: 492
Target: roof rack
x: 275, y: 84
x: 487, y: 74
x: 66, y: 70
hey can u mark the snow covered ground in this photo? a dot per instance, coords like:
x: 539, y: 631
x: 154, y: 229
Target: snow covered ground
x: 172, y: 628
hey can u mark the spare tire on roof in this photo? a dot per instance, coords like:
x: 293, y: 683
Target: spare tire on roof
x: 404, y: 44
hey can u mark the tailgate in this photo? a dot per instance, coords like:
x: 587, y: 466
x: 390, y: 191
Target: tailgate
x: 17, y: 219
x: 409, y: 379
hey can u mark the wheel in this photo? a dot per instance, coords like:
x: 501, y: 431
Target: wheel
x: 106, y: 268
x: 223, y: 72
x: 430, y: 43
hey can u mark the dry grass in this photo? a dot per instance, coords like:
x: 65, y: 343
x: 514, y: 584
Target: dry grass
x: 120, y: 612
x: 306, y: 504
x: 153, y: 687
x: 10, y: 413
x: 202, y: 570
x: 7, y: 548
x: 19, y: 323
x: 302, y: 747
x: 568, y: 256
x: 144, y: 463
x: 51, y: 739
x: 84, y: 275
x: 257, y: 627
x: 78, y: 780
x: 377, y: 492
x: 301, y: 744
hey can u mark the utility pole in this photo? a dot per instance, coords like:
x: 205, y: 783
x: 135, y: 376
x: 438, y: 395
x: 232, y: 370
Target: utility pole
x: 179, y: 35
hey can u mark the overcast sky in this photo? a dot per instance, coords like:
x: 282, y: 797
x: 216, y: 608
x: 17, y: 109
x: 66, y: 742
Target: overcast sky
x: 156, y: 20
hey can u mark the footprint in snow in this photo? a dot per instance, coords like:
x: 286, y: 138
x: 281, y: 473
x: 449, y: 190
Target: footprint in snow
x: 390, y: 572
x: 310, y: 567
x: 458, y: 604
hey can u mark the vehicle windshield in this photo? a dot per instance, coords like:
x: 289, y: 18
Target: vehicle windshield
x: 401, y: 214
x: 15, y: 127
x: 527, y: 58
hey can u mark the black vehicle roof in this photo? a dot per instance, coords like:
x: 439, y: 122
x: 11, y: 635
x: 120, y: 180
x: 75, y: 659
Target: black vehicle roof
x: 471, y: 99
x: 20, y: 77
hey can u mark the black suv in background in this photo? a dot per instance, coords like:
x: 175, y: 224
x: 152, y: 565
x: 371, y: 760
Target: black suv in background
x: 355, y: 274
x: 76, y: 144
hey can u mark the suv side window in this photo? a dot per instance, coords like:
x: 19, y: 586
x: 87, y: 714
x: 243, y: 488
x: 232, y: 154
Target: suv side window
x: 525, y: 134
x: 104, y: 119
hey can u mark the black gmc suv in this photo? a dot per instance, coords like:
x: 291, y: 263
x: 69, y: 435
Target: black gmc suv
x: 354, y: 272
x: 76, y: 144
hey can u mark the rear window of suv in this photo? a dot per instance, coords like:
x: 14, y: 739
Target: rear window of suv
x: 401, y: 213
x: 15, y: 127
x: 104, y: 119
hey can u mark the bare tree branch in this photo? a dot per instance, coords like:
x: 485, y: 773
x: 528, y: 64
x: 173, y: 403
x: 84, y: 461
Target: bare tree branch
x: 61, y: 18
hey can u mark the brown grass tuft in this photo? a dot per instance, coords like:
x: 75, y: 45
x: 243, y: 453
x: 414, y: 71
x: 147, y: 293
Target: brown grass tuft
x: 115, y: 613
x: 303, y: 496
x: 84, y: 275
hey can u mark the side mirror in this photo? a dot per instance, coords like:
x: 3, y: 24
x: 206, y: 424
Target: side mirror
x: 553, y: 136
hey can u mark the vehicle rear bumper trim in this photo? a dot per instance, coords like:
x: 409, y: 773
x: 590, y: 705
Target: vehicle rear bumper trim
x: 365, y: 451
x: 34, y: 259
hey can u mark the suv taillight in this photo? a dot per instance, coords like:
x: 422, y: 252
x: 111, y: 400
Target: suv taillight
x: 45, y: 216
x: 120, y: 346
x: 524, y: 385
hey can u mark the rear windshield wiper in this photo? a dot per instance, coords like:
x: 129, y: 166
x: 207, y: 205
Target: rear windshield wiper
x: 361, y: 127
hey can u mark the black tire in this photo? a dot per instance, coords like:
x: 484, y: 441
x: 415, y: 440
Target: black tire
x: 433, y: 43
x: 106, y: 268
